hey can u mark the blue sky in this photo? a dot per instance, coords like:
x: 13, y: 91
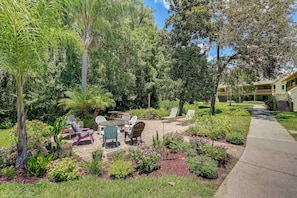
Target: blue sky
x: 161, y: 10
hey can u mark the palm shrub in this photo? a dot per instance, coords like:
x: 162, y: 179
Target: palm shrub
x: 203, y: 166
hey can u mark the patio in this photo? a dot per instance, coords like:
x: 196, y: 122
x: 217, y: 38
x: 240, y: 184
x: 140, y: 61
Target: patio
x: 85, y: 148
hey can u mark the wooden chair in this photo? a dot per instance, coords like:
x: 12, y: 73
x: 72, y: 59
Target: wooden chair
x: 135, y: 132
x: 110, y: 132
x: 82, y: 133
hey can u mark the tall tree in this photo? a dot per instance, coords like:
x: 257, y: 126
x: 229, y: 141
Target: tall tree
x: 189, y: 22
x: 26, y: 32
x: 92, y: 18
x: 259, y: 36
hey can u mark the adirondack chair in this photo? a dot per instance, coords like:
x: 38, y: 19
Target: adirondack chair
x: 135, y: 132
x: 189, y: 116
x: 131, y: 123
x: 82, y: 133
x: 172, y: 115
x: 110, y: 132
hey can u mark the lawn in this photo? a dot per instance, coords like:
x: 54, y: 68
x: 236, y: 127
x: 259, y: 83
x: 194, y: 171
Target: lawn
x: 287, y: 119
x: 94, y: 187
x: 4, y: 137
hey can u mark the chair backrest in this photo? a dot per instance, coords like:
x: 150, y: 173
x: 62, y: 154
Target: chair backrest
x: 190, y: 114
x: 100, y: 119
x: 111, y: 132
x: 137, y: 129
x: 133, y: 120
x: 173, y: 112
x: 70, y: 119
x: 75, y: 127
x: 126, y: 116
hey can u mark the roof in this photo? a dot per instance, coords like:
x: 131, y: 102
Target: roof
x: 290, y: 77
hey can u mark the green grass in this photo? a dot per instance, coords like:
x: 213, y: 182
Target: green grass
x: 132, y: 188
x: 287, y: 119
x: 294, y: 135
x: 4, y: 137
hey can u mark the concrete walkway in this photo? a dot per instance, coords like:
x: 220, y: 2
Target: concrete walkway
x: 268, y: 166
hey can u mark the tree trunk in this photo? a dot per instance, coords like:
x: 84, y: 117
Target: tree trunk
x: 21, y: 120
x: 84, y: 69
x: 181, y: 106
x: 96, y: 112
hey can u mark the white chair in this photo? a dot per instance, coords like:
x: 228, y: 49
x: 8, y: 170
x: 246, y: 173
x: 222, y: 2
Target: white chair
x: 98, y: 120
x: 131, y: 123
x: 189, y: 117
x: 172, y: 115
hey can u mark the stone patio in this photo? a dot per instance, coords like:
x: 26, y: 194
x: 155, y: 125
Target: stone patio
x: 85, y: 147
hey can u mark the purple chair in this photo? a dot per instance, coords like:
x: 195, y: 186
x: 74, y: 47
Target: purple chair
x: 82, y: 133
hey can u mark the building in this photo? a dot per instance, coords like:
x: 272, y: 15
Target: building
x: 282, y: 92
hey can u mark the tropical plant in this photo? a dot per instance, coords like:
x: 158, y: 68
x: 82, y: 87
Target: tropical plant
x: 37, y: 165
x: 27, y: 32
x: 95, y: 166
x: 100, y: 100
x: 77, y: 101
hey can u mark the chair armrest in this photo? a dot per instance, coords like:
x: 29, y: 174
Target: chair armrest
x: 85, y: 129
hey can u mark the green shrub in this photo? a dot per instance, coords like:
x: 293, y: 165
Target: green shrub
x: 157, y: 142
x: 120, y: 169
x: 6, y: 124
x: 235, y: 138
x: 203, y: 166
x: 204, y: 147
x: 146, y: 158
x: 8, y: 172
x: 166, y: 104
x: 65, y: 169
x: 239, y: 112
x: 37, y: 133
x: 175, y: 141
x: 37, y: 165
x: 213, y: 127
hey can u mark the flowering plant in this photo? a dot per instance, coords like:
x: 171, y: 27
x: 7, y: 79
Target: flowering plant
x: 146, y: 158
x: 6, y: 158
x: 65, y: 169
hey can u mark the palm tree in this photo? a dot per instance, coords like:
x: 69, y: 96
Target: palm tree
x: 101, y: 100
x: 26, y: 32
x: 92, y: 17
x: 77, y: 101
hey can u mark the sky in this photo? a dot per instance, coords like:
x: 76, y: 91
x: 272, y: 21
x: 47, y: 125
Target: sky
x: 161, y: 10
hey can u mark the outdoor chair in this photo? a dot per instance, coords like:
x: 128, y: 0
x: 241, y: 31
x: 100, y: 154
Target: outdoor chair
x: 189, y: 116
x: 135, y: 132
x: 131, y: 123
x: 98, y: 120
x: 110, y: 132
x: 172, y: 115
x: 82, y: 133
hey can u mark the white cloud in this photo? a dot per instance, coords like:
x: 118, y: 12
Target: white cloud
x: 164, y: 2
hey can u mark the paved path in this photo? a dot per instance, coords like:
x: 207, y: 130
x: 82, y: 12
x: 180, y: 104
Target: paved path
x: 268, y: 166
